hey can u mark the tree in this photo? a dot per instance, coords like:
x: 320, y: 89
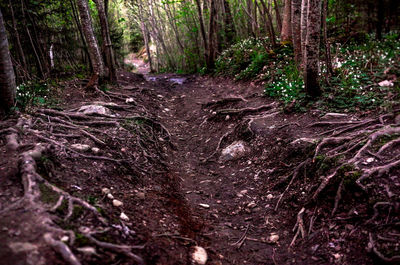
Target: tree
x: 7, y: 77
x: 93, y: 47
x: 107, y: 45
x: 296, y: 33
x: 286, y: 33
x: 311, y: 70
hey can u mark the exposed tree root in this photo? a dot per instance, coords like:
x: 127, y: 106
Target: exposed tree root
x: 31, y: 181
x: 222, y: 102
x: 241, y: 112
x: 372, y: 247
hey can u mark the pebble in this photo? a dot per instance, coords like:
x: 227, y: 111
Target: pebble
x: 252, y: 204
x: 110, y: 196
x: 80, y: 147
x: 124, y: 217
x: 95, y: 150
x: 117, y: 203
x: 64, y: 239
x: 204, y: 205
x: 270, y: 196
x: 273, y: 238
x: 105, y: 190
x: 129, y: 100
x: 87, y: 250
x: 199, y: 255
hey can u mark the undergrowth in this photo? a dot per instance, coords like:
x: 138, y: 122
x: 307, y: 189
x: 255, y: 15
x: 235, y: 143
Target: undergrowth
x: 356, y: 84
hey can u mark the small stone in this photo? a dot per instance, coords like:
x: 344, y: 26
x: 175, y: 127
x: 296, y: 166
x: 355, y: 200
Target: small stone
x: 129, y: 100
x: 273, y: 238
x: 95, y: 150
x: 80, y: 147
x: 227, y: 117
x: 141, y: 195
x: 110, y: 196
x: 87, y: 250
x: 105, y: 190
x: 252, y: 204
x: 199, y: 255
x: 117, y: 203
x: 124, y: 217
x: 94, y: 109
x: 64, y: 239
x: 234, y: 151
x: 270, y: 196
x: 370, y: 160
x: 206, y: 206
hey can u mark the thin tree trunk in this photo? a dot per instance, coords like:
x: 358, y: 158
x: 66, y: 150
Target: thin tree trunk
x: 211, y: 32
x: 93, y: 47
x: 146, y: 43
x: 303, y: 29
x: 311, y: 72
x: 229, y: 27
x: 7, y: 76
x: 105, y: 32
x: 202, y: 29
x: 265, y: 16
x: 18, y: 39
x: 327, y: 45
x: 278, y: 16
x: 286, y: 33
x: 296, y: 34
x: 79, y: 27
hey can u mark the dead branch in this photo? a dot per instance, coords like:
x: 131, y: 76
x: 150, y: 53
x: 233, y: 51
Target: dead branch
x: 62, y: 249
x: 372, y: 247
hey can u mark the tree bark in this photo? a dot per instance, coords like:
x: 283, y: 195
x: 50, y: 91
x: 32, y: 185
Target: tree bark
x: 286, y: 33
x: 328, y: 60
x: 303, y: 30
x: 278, y: 16
x: 202, y: 28
x: 229, y: 27
x: 211, y: 32
x: 311, y: 79
x: 7, y: 76
x: 296, y: 33
x: 93, y: 47
x: 105, y: 33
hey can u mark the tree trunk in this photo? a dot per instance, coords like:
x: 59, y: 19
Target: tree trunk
x: 266, y: 17
x: 229, y: 27
x: 303, y: 30
x: 93, y: 47
x: 211, y: 32
x: 278, y: 16
x: 146, y: 43
x: 286, y: 33
x: 327, y: 45
x: 18, y: 39
x: 202, y: 29
x: 296, y: 33
x: 311, y: 80
x: 105, y: 33
x: 7, y: 77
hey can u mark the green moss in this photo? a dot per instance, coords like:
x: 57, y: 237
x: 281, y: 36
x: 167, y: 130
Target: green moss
x: 81, y: 240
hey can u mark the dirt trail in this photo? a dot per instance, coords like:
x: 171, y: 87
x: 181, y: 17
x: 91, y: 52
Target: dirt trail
x: 159, y: 157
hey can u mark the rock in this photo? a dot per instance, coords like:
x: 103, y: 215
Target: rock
x: 333, y: 115
x: 64, y: 239
x: 124, y: 217
x: 305, y: 140
x: 105, y: 190
x: 141, y: 195
x: 110, y: 196
x: 95, y: 150
x: 80, y: 147
x: 18, y: 247
x: 273, y: 238
x: 386, y: 83
x: 94, y: 109
x: 270, y: 196
x: 199, y: 255
x: 234, y: 151
x: 252, y: 204
x: 204, y: 205
x: 87, y: 250
x: 129, y: 100
x: 117, y: 203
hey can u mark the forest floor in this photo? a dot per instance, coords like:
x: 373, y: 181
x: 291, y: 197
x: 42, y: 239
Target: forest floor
x: 302, y: 188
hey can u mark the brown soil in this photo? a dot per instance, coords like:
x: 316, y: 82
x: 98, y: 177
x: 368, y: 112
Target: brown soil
x: 166, y: 183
